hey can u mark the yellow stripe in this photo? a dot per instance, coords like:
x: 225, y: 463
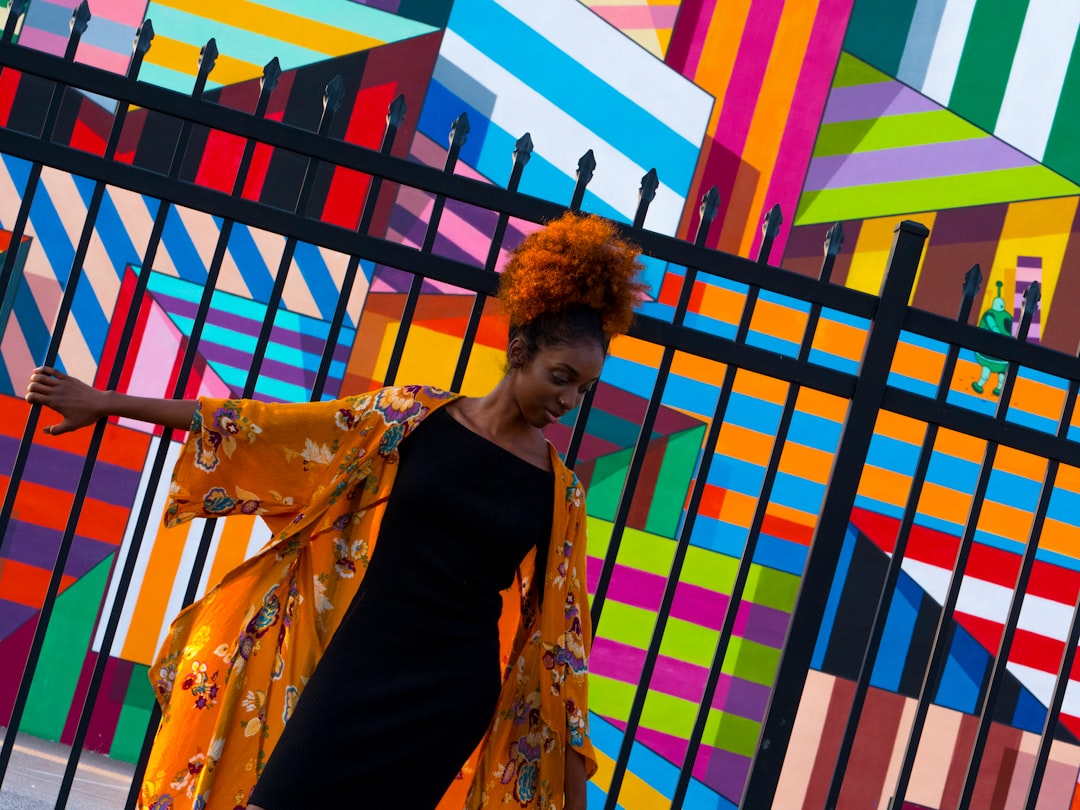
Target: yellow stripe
x: 871, y: 256
x: 280, y: 25
x: 634, y: 792
x: 184, y: 58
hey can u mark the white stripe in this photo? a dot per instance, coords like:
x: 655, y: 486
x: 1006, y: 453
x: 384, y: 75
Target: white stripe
x: 1046, y: 617
x: 189, y: 536
x: 1038, y: 73
x: 984, y: 599
x: 618, y: 61
x: 139, y: 572
x: 338, y: 263
x: 948, y: 48
x: 931, y: 578
x: 920, y: 41
x: 560, y: 138
x: 1040, y: 684
x: 204, y: 580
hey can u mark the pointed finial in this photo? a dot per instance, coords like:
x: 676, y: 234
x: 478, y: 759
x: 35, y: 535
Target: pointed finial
x: 649, y: 184
x: 80, y: 18
x: 710, y: 205
x: 459, y: 131
x: 270, y: 75
x: 395, y: 114
x: 834, y: 239
x: 773, y: 220
x: 973, y: 281
x: 334, y: 94
x: 586, y: 165
x: 1032, y: 296
x: 208, y: 57
x: 523, y: 149
x: 143, y: 37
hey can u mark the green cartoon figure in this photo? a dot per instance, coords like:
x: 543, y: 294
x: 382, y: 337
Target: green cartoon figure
x: 996, y: 319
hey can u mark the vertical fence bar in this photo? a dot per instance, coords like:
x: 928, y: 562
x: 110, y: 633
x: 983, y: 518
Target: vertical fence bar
x: 80, y: 18
x: 709, y: 207
x: 15, y: 12
x: 395, y: 116
x: 824, y: 552
x: 999, y: 669
x: 586, y: 165
x: 834, y: 239
x: 943, y: 635
x: 972, y: 282
x: 459, y: 131
x: 522, y: 152
x: 1053, y: 711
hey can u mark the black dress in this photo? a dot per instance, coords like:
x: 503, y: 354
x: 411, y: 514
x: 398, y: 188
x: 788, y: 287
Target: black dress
x: 408, y: 684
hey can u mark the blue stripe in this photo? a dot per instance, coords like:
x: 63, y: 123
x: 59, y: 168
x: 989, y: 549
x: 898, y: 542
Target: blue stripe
x: 719, y: 536
x: 797, y: 493
x: 736, y: 475
x: 837, y: 316
x: 923, y: 342
x: 815, y: 431
x: 33, y: 327
x: 795, y: 304
x: 780, y: 555
x: 257, y: 276
x: 846, y: 365
x: 879, y: 507
x: 912, y: 384
x: 87, y: 313
x: 52, y: 237
x: 634, y: 378
x: 19, y: 171
x: 952, y: 472
x: 1013, y: 490
x: 828, y: 619
x: 771, y: 343
x: 892, y: 454
x: 553, y: 74
x: 711, y: 326
x: 177, y: 242
x: 755, y: 414
x: 693, y: 396
x: 114, y: 236
x: 316, y: 274
x: 1042, y: 424
x: 898, y: 634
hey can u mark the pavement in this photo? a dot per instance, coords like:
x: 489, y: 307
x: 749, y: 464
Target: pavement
x: 32, y: 781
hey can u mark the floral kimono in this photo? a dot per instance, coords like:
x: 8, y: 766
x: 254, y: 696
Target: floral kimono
x: 235, y: 663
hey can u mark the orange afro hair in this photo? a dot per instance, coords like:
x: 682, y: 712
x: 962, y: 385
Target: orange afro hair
x: 576, y: 262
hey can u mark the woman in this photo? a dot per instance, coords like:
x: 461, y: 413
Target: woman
x: 440, y: 667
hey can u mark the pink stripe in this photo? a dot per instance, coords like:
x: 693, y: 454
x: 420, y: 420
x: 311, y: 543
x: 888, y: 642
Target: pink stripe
x: 698, y: 37
x: 808, y: 104
x: 128, y: 12
x: 642, y: 589
x: 41, y: 40
x: 100, y: 57
x: 748, y: 74
x: 633, y: 17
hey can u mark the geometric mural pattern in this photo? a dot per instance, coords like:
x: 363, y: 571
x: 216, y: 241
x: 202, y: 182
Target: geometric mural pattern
x: 862, y: 111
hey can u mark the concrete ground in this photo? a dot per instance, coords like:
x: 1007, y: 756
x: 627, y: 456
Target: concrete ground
x: 32, y: 781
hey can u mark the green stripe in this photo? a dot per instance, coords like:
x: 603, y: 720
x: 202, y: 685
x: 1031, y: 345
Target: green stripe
x: 751, y: 661
x: 771, y: 588
x: 877, y: 32
x: 1062, y: 153
x: 732, y: 733
x: 987, y: 60
x: 851, y: 71
x: 932, y: 194
x: 63, y: 653
x: 134, y: 716
x: 673, y: 482
x: 892, y: 132
x: 641, y: 550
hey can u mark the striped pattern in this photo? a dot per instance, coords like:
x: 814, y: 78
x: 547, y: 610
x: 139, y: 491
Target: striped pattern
x: 107, y: 42
x: 1010, y: 68
x: 885, y: 149
x: 648, y: 22
x: 1028, y: 270
x: 559, y: 72
x: 769, y: 66
x: 250, y: 33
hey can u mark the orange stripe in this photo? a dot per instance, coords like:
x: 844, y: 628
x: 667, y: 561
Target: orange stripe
x: 1068, y: 478
x: 1038, y: 398
x: 778, y: 321
x: 918, y: 362
x: 150, y: 606
x: 944, y: 503
x: 745, y: 444
x: 771, y: 112
x: 698, y: 368
x: 738, y: 509
x: 719, y: 51
x: 637, y: 351
x: 720, y: 303
x: 1064, y: 538
x: 1005, y: 521
x: 840, y: 339
x: 960, y: 445
x: 27, y: 584
x: 818, y: 403
x: 235, y: 535
x: 902, y: 428
x: 49, y: 508
x: 805, y: 462
x: 884, y: 485
x: 1019, y: 463
x: 759, y: 386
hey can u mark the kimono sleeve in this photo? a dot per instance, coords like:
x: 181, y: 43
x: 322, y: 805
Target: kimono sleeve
x: 256, y: 458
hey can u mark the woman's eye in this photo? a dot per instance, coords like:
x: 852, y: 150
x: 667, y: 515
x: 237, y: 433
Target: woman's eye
x: 555, y: 378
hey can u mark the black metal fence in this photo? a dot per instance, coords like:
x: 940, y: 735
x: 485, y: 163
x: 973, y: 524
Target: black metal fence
x: 867, y: 391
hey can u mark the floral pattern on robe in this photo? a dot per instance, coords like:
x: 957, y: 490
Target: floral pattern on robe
x: 234, y: 663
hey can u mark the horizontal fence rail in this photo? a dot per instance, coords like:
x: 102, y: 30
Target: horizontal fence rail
x: 866, y: 392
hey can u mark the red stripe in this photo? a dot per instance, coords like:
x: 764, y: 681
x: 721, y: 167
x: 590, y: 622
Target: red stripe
x: 9, y: 84
x: 684, y: 49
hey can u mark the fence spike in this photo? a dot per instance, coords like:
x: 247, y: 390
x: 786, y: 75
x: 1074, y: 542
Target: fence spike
x: 834, y: 239
x: 770, y: 227
x: 459, y: 131
x: 586, y: 165
x: 143, y: 37
x: 972, y: 281
x: 395, y: 114
x: 710, y: 206
x: 15, y: 11
x: 523, y: 149
x: 80, y: 18
x: 334, y: 94
x: 270, y: 76
x: 649, y: 183
x: 207, y: 58
x: 1032, y: 296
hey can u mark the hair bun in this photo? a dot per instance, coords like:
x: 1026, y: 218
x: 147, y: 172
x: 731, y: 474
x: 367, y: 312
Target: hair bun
x: 577, y: 261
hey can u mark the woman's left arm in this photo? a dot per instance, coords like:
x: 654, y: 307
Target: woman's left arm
x: 574, y: 785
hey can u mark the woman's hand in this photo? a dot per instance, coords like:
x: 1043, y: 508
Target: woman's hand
x: 574, y: 781
x: 78, y: 403
x: 82, y: 405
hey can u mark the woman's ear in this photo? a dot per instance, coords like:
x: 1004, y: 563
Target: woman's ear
x: 516, y: 353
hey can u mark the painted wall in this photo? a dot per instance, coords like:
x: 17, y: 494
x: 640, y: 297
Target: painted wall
x: 956, y: 113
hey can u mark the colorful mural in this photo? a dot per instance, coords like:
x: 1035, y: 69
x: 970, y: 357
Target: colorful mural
x: 954, y: 113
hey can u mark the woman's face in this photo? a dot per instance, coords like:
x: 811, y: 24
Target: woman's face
x: 553, y: 381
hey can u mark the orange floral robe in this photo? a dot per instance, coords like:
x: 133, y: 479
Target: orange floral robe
x: 234, y: 663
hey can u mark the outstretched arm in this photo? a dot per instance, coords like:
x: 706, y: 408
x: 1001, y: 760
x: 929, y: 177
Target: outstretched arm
x: 80, y: 404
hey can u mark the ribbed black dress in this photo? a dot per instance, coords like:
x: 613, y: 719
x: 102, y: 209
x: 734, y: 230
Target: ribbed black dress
x: 409, y: 682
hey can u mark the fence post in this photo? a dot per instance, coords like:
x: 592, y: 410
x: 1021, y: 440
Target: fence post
x: 824, y: 552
